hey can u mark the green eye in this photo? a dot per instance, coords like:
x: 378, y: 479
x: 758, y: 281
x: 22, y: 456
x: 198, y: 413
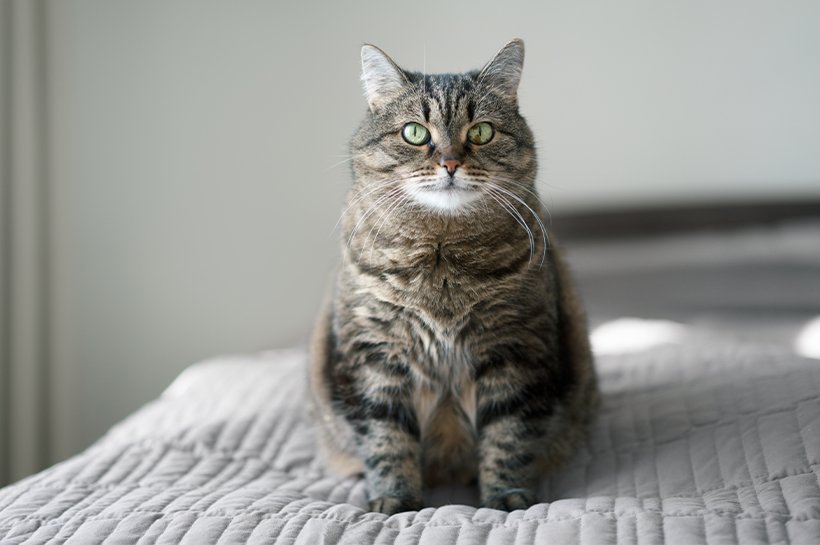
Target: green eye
x: 415, y: 134
x: 480, y: 133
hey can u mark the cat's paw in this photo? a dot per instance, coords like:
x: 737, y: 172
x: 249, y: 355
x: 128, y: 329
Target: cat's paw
x: 390, y: 505
x: 510, y: 500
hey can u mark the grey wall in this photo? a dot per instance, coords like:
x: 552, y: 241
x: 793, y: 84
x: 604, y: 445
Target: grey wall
x: 191, y: 148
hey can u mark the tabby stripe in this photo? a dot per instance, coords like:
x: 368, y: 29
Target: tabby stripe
x: 395, y: 412
x: 441, y: 107
x: 376, y: 139
x: 391, y: 458
x: 512, y: 268
x: 527, y: 404
x: 379, y: 321
x: 390, y: 369
x: 502, y: 357
x: 376, y: 272
x: 471, y: 110
x: 518, y: 144
x: 389, y: 169
x: 386, y: 393
x: 363, y: 346
x: 448, y: 110
x: 515, y: 461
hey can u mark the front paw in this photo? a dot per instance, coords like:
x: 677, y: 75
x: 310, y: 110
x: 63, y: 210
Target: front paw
x: 509, y: 500
x: 390, y: 505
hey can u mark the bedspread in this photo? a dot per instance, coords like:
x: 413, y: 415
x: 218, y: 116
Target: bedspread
x: 702, y: 439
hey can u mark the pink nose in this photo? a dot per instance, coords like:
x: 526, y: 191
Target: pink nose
x: 451, y: 165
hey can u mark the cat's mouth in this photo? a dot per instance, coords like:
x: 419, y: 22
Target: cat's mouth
x: 448, y: 195
x: 451, y: 185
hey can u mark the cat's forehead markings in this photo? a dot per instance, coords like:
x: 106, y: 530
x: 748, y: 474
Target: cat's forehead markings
x: 425, y: 109
x: 438, y: 102
x: 458, y: 120
x: 438, y: 109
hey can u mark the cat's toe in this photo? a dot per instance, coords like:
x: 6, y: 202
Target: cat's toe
x: 510, y: 501
x: 390, y: 505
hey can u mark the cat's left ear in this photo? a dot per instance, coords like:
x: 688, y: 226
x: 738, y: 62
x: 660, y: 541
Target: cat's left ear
x: 504, y: 71
x: 382, y: 78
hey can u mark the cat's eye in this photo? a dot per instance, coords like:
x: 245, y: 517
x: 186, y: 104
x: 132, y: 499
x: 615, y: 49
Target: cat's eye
x: 480, y: 133
x: 416, y: 134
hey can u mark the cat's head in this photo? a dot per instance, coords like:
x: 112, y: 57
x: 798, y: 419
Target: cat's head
x: 445, y: 142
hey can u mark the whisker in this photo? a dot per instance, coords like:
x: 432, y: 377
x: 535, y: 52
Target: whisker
x: 424, y: 68
x: 334, y: 165
x: 376, y: 204
x: 391, y: 208
x: 377, y: 185
x: 541, y: 201
x: 364, y: 217
x: 486, y: 207
x: 515, y: 214
x: 385, y: 211
x: 381, y: 184
x: 370, y: 211
x: 536, y: 216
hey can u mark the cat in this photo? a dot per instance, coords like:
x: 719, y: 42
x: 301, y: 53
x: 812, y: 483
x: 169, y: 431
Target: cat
x: 454, y: 346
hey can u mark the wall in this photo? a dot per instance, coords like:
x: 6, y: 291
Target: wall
x: 24, y: 245
x: 195, y: 158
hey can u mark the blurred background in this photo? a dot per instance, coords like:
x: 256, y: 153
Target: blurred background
x: 172, y: 170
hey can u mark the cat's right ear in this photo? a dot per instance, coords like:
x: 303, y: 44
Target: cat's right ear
x: 382, y: 78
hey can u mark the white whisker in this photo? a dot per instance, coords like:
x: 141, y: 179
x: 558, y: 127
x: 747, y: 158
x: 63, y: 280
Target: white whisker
x: 536, y: 216
x: 391, y: 208
x: 334, y: 165
x: 515, y: 214
x: 378, y: 185
x: 379, y: 201
x: 424, y: 68
x: 522, y: 187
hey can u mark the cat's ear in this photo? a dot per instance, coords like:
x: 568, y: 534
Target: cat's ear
x: 504, y: 71
x: 382, y: 78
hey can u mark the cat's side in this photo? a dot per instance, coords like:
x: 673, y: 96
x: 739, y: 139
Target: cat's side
x: 454, y: 345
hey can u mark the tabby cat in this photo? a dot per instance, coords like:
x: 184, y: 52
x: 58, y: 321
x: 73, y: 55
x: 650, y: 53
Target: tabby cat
x: 454, y: 346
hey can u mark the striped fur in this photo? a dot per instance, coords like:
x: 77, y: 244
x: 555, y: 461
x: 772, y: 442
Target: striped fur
x: 454, y: 346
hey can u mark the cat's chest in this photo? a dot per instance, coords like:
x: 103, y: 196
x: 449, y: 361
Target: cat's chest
x: 428, y: 256
x: 443, y: 375
x: 435, y: 266
x: 435, y: 279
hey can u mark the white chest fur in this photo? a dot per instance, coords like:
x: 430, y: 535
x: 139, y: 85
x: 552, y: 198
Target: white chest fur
x: 443, y: 382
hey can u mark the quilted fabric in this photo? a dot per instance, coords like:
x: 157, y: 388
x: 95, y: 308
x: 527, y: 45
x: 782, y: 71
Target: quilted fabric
x: 703, y: 441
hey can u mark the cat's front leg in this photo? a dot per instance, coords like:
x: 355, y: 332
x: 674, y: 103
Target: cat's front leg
x: 392, y: 461
x: 387, y: 437
x: 506, y: 466
x: 511, y: 420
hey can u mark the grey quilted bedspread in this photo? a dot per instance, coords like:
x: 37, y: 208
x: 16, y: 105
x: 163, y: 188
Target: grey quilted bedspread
x: 707, y: 440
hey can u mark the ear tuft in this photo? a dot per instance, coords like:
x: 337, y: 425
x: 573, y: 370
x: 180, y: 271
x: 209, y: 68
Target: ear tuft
x: 382, y: 78
x: 503, y: 72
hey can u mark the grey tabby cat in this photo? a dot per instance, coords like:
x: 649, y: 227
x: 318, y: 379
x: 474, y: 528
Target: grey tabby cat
x: 454, y: 345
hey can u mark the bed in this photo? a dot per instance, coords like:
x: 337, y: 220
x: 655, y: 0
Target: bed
x: 709, y: 431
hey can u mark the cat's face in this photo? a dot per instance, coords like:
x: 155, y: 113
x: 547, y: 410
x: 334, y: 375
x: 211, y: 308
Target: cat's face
x: 447, y: 142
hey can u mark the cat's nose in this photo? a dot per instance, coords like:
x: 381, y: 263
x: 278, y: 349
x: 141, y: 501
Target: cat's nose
x: 450, y: 164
